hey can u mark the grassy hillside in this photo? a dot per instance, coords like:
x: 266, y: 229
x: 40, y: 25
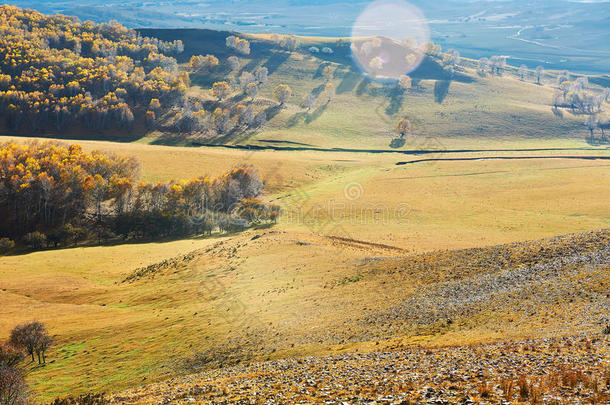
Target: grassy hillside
x: 271, y: 295
x: 464, y: 111
x: 375, y: 250
x: 323, y: 283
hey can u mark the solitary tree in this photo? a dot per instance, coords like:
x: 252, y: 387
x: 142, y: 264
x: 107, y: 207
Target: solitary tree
x: 282, y: 93
x: 233, y: 62
x: 603, y: 124
x: 403, y: 127
x: 221, y: 90
x: 329, y: 92
x: 591, y: 123
x: 327, y: 73
x: 522, y: 72
x: 563, y: 77
x: 261, y: 74
x: 252, y: 90
x: 497, y: 64
x: 309, y: 101
x: 290, y: 42
x: 539, y: 74
x: 483, y: 65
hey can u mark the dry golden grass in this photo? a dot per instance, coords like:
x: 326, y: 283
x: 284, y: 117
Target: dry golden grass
x: 280, y: 295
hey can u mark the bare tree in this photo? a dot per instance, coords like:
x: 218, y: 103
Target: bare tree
x: 603, y: 124
x: 539, y: 74
x: 33, y: 338
x: 252, y: 90
x: 240, y: 45
x: 246, y: 114
x: 233, y: 62
x: 261, y: 74
x: 12, y: 386
x: 581, y: 84
x: 563, y: 77
x: 10, y: 356
x: 522, y: 72
x: 483, y: 65
x: 309, y: 101
x: 591, y: 123
x: 497, y: 64
x: 290, y: 43
x: 245, y: 79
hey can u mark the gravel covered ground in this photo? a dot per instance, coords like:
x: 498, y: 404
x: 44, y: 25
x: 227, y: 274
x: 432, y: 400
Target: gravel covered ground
x: 569, y: 370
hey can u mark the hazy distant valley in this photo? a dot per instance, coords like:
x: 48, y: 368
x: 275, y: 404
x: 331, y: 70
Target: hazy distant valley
x: 533, y: 33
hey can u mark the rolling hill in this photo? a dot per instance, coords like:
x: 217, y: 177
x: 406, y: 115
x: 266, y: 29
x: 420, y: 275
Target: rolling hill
x: 464, y: 261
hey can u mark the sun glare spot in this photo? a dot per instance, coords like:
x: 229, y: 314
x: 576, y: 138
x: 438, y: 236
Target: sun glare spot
x: 388, y: 39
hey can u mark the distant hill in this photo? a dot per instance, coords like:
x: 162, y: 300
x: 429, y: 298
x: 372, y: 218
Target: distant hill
x: 562, y: 34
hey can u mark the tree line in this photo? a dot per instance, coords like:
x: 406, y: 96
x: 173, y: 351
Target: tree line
x: 52, y: 194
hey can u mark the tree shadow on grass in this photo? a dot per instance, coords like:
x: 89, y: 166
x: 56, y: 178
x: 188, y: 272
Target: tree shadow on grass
x: 206, y: 80
x: 397, y: 143
x: 276, y: 60
x: 363, y: 87
x: 307, y: 117
x: 397, y: 96
x: 318, y: 90
x: 296, y: 119
x: 441, y: 89
x: 597, y: 141
x: 348, y: 83
x: 311, y: 117
x: 248, y: 67
x: 272, y: 111
x: 318, y: 72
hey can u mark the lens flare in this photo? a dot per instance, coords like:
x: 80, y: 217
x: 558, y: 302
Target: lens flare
x: 388, y: 39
